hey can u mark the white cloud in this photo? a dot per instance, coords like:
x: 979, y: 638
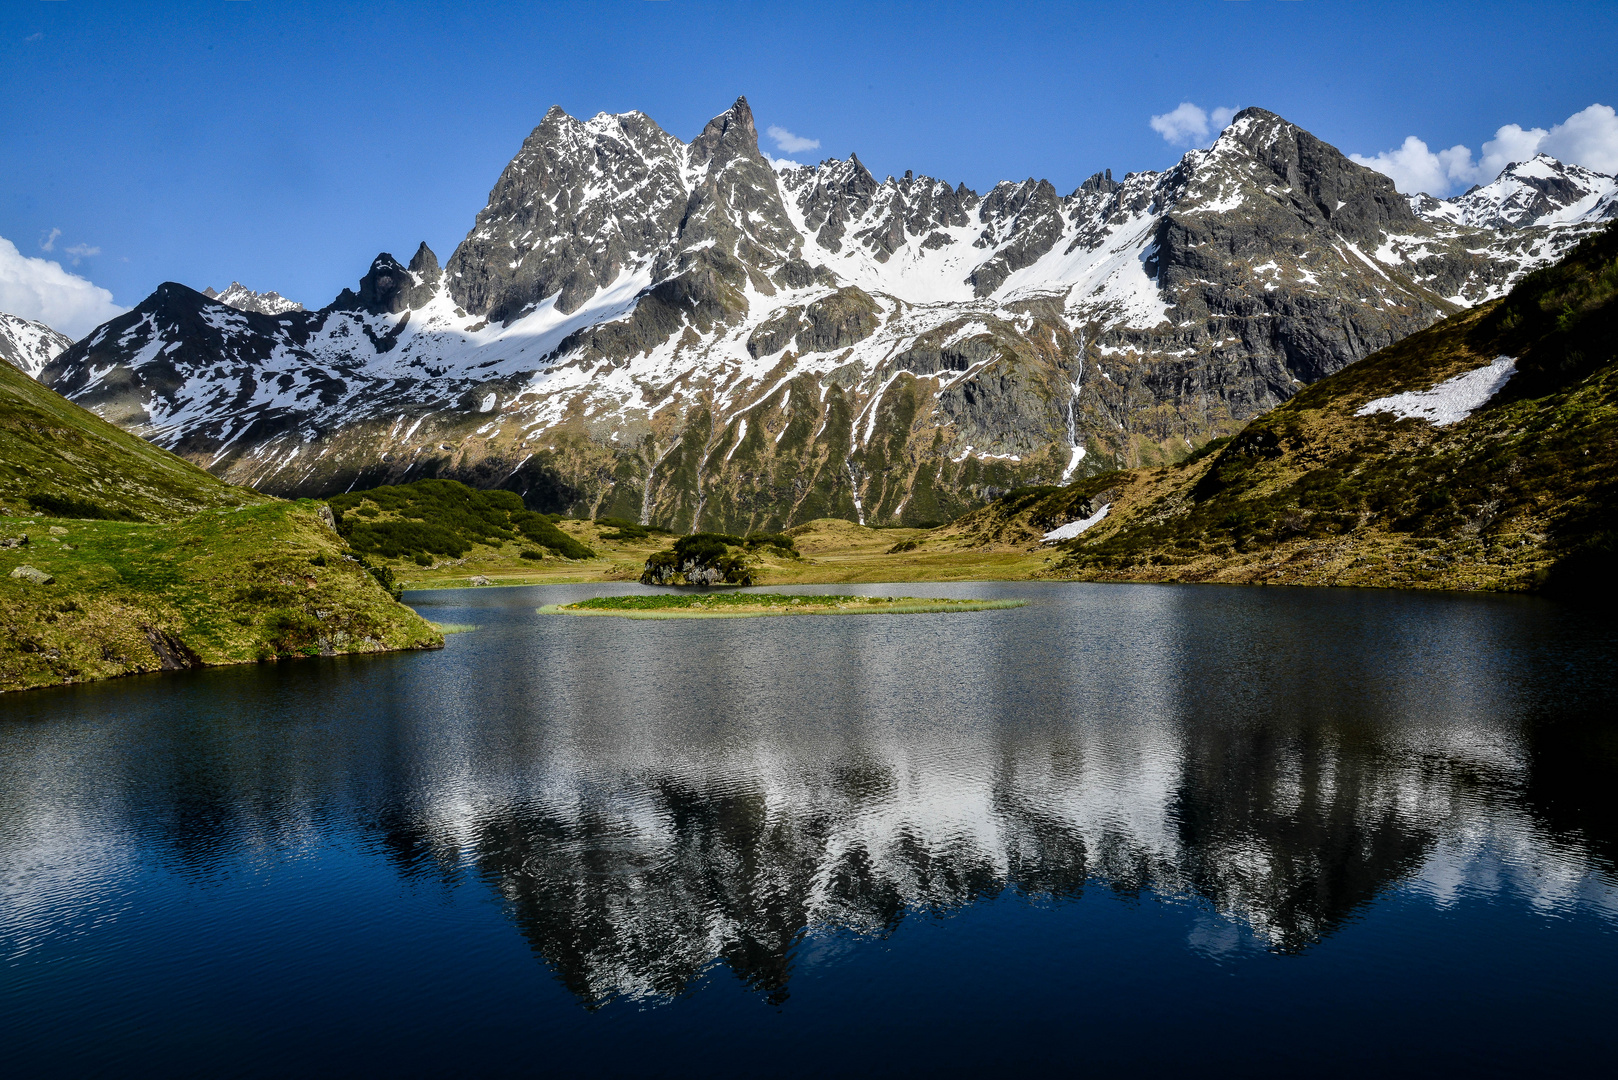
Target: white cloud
x: 789, y: 143
x: 1589, y: 138
x: 1189, y: 124
x: 49, y: 243
x: 82, y: 251
x: 41, y: 290
x: 1414, y: 167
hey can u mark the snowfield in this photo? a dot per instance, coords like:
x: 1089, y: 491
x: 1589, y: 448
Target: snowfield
x: 1452, y: 400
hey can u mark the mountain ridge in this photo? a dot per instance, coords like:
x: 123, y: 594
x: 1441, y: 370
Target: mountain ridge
x: 685, y: 333
x: 1475, y: 454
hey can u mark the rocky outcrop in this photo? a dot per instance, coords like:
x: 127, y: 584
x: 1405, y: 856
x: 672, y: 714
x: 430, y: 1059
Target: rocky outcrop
x: 390, y: 289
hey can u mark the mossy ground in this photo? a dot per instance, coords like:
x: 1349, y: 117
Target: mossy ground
x: 732, y: 605
x: 220, y: 587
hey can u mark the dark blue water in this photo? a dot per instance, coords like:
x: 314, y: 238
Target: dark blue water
x: 1194, y: 828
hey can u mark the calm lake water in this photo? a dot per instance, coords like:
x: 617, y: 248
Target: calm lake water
x: 1148, y: 827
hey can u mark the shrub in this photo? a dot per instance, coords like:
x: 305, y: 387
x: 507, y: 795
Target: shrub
x: 779, y: 541
x: 443, y: 517
x: 289, y: 630
x: 702, y: 559
x: 67, y: 506
x: 531, y: 554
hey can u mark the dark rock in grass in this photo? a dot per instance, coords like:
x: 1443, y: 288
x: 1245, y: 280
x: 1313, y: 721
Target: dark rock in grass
x: 172, y: 653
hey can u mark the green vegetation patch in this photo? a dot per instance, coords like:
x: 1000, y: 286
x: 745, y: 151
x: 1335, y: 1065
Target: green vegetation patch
x: 730, y: 605
x: 443, y: 517
x: 63, y: 461
x: 715, y: 559
x: 220, y: 587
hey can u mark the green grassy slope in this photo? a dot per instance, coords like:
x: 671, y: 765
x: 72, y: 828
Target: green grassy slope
x: 157, y: 564
x: 57, y: 457
x: 1520, y: 495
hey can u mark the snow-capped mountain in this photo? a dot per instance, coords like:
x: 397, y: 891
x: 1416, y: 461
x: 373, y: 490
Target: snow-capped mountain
x: 1541, y: 191
x: 242, y: 298
x: 30, y: 345
x: 682, y: 333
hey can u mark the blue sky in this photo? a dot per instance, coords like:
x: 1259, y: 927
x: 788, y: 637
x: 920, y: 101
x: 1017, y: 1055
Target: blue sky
x: 285, y: 144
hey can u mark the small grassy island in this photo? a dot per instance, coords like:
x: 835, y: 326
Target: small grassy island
x: 751, y: 605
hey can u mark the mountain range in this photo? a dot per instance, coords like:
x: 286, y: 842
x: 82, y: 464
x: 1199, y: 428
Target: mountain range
x: 693, y: 335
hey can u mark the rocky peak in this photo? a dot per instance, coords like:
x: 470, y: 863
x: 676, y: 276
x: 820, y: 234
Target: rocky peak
x: 424, y: 264
x: 831, y: 196
x: 1101, y: 183
x: 580, y: 204
x: 1023, y: 221
x: 1539, y: 191
x: 727, y: 136
x: 735, y: 201
x: 389, y: 288
x: 30, y: 345
x: 1359, y: 202
x: 242, y: 298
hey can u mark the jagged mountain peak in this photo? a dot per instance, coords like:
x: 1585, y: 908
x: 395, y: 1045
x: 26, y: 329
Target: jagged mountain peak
x: 1538, y: 192
x: 732, y: 133
x: 389, y: 288
x: 424, y: 262
x: 242, y: 298
x: 634, y: 322
x: 30, y: 345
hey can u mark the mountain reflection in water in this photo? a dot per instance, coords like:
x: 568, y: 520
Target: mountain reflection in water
x: 650, y: 799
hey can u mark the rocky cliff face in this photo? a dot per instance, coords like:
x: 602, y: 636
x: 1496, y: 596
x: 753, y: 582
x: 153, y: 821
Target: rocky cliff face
x: 30, y: 345
x: 681, y: 333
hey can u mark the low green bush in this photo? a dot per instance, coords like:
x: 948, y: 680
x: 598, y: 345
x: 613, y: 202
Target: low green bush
x: 443, y: 517
x: 67, y: 506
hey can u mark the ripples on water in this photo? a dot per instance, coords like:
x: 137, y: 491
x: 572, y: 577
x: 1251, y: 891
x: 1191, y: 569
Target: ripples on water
x: 1161, y: 826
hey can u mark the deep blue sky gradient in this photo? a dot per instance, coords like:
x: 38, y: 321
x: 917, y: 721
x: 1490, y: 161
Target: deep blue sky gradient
x: 285, y: 144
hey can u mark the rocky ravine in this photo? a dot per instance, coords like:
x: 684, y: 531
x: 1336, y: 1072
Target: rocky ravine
x: 683, y: 334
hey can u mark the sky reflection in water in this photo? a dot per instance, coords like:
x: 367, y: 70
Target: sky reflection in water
x: 1176, y: 824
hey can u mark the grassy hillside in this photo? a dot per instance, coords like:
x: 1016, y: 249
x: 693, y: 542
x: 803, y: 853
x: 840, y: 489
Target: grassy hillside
x: 145, y: 562
x: 58, y: 458
x: 1520, y: 495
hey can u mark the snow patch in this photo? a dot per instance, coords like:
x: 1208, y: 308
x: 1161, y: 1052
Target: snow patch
x: 1452, y: 400
x: 1074, y: 528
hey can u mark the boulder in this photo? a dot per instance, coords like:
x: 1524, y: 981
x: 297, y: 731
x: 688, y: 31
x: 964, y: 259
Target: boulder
x: 481, y: 580
x: 14, y: 541
x: 33, y: 574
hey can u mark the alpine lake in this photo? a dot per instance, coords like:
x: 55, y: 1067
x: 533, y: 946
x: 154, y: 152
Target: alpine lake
x: 1219, y: 830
